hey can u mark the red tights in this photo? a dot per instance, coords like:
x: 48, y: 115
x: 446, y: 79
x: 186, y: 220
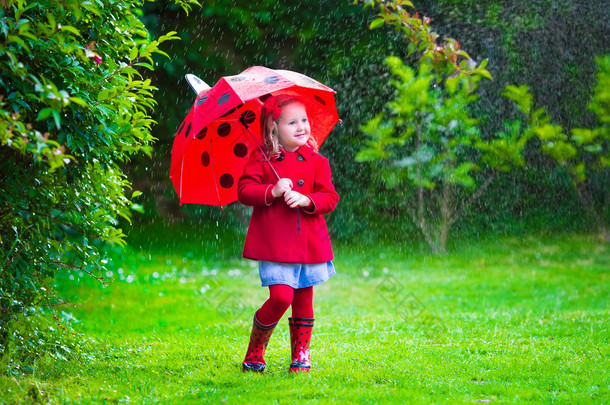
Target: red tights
x: 282, y: 296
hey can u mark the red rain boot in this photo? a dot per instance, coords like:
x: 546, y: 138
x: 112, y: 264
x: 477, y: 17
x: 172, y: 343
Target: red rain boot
x: 300, y: 336
x: 259, y: 338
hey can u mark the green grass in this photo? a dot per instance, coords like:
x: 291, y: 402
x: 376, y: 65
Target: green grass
x: 501, y: 320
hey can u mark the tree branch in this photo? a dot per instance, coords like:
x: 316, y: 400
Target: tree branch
x: 458, y: 213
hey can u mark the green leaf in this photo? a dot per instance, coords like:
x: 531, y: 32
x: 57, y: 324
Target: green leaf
x: 485, y: 73
x: 57, y: 119
x: 51, y: 19
x: 377, y: 23
x: 146, y: 65
x: 521, y: 96
x: 71, y: 29
x: 44, y: 114
x: 160, y: 52
x: 103, y: 95
x: 138, y: 208
x: 14, y: 38
x: 133, y: 54
x: 78, y: 100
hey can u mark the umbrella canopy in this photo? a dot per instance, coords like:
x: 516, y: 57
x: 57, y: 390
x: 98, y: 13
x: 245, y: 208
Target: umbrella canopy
x: 214, y: 141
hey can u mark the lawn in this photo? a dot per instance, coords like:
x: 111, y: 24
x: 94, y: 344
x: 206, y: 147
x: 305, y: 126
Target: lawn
x: 501, y: 320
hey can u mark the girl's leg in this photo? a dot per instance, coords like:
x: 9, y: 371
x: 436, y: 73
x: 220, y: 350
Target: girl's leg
x: 302, y: 303
x: 301, y: 326
x: 265, y: 319
x: 280, y: 298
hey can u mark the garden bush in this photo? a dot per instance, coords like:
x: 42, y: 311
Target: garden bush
x: 74, y: 107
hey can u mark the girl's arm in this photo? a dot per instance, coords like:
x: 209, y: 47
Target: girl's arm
x: 324, y: 196
x: 251, y: 190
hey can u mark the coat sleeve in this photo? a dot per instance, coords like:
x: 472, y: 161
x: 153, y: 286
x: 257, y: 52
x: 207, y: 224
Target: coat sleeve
x: 324, y: 196
x: 251, y: 188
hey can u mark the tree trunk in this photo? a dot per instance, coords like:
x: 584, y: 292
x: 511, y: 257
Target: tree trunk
x: 445, y: 217
x: 421, y: 210
x: 416, y: 215
x: 584, y: 195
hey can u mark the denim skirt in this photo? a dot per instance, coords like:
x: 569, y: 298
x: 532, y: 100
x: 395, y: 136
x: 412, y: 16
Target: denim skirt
x: 296, y: 275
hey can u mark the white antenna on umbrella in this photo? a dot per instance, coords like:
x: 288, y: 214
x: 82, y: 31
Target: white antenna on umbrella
x: 196, y: 83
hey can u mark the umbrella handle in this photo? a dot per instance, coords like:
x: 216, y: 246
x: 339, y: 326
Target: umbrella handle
x: 245, y: 124
x: 298, y: 222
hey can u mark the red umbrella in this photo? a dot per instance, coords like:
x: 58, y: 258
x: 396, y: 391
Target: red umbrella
x: 214, y: 141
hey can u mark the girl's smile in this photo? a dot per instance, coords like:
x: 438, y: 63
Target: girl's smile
x: 293, y: 127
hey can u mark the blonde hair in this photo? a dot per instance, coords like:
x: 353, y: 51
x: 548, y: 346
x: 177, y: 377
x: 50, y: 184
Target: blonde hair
x: 269, y: 127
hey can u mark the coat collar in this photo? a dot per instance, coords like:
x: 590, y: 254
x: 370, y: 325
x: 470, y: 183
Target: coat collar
x: 306, y: 151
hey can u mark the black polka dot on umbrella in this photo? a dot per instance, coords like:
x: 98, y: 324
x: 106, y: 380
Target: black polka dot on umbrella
x: 238, y: 79
x: 248, y: 116
x: 202, y: 133
x: 224, y: 98
x: 205, y: 159
x: 181, y: 127
x: 240, y: 149
x: 201, y: 100
x: 226, y: 180
x: 319, y: 99
x: 224, y: 129
x: 271, y: 79
x: 188, y: 130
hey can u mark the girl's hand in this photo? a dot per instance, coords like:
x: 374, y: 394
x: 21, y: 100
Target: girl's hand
x: 281, y: 187
x: 295, y: 199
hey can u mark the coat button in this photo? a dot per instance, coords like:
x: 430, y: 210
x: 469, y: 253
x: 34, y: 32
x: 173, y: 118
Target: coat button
x: 301, y: 182
x: 279, y: 158
x: 300, y: 158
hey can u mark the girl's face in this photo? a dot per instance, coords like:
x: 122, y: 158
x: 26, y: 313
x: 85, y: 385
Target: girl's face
x: 293, y: 127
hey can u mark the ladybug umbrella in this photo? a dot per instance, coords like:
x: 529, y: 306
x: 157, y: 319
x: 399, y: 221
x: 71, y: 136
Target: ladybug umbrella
x: 212, y: 145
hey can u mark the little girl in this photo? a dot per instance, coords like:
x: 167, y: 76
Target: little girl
x: 287, y: 232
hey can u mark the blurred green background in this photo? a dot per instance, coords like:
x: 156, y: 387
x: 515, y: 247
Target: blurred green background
x: 516, y: 311
x: 548, y: 45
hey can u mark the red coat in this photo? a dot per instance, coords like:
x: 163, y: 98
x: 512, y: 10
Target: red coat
x: 273, y: 231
